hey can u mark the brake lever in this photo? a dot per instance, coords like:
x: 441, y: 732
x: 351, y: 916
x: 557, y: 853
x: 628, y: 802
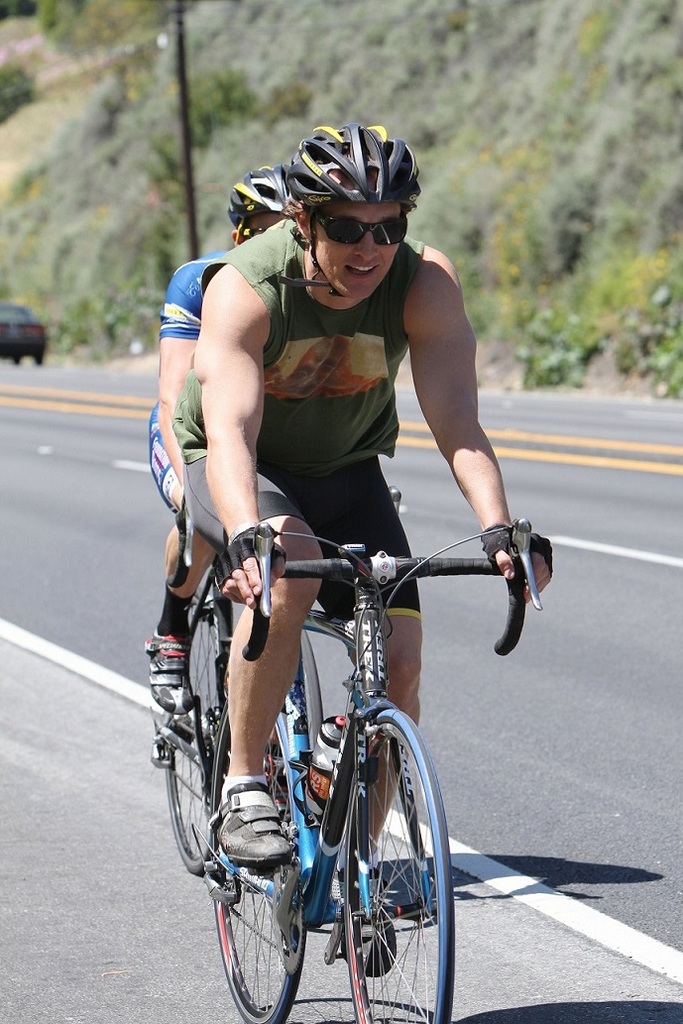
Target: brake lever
x: 264, y: 539
x: 521, y: 541
x: 187, y: 554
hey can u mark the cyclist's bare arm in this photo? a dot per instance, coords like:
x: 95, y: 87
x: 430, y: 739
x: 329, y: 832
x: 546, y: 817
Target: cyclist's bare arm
x: 175, y: 360
x: 442, y: 355
x: 229, y: 367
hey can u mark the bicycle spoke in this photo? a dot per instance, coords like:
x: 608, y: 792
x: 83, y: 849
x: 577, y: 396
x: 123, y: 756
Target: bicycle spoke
x: 186, y: 784
x: 249, y: 936
x: 400, y: 924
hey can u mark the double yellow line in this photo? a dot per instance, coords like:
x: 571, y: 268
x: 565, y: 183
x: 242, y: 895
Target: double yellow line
x: 91, y: 403
x: 561, y: 448
x: 567, y: 449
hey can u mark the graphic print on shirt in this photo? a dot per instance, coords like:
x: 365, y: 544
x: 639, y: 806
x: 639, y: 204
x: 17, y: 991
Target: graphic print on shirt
x: 174, y: 314
x: 328, y: 367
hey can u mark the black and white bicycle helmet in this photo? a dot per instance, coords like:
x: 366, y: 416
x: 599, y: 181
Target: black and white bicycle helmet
x: 356, y: 164
x: 261, y: 191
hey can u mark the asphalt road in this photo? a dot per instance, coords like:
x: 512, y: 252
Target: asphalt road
x: 562, y: 761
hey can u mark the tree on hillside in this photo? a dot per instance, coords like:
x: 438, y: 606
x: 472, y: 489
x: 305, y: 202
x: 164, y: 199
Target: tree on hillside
x: 17, y: 8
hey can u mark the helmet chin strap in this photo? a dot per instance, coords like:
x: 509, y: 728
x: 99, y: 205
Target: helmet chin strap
x: 305, y: 282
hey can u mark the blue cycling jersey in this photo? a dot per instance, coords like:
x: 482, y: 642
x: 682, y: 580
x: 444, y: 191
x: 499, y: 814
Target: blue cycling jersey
x: 180, y: 318
x: 181, y: 313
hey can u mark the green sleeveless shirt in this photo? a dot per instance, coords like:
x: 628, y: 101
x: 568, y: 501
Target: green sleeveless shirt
x: 329, y: 374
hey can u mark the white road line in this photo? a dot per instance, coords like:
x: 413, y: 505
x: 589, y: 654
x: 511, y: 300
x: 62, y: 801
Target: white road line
x: 661, y: 415
x: 592, y: 923
x: 613, y: 549
x: 602, y: 929
x: 135, y: 467
x: 75, y: 663
x: 561, y: 541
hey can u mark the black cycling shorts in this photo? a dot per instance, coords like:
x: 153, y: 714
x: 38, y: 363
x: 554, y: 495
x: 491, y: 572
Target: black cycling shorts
x: 352, y: 505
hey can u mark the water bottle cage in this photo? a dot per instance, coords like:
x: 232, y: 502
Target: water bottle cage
x: 299, y: 788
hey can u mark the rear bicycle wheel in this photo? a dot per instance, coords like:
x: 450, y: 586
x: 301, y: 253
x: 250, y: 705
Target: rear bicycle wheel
x: 398, y: 912
x: 249, y: 937
x: 191, y: 738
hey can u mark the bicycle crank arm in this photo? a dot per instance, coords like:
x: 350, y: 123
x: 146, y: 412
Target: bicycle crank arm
x: 335, y: 940
x: 288, y: 914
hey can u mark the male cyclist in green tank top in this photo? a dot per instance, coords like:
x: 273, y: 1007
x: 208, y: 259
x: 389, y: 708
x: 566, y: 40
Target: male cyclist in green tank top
x: 314, y: 354
x: 291, y: 402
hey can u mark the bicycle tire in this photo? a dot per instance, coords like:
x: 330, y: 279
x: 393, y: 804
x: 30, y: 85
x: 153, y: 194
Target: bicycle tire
x: 314, y: 706
x: 401, y: 954
x: 188, y: 777
x: 248, y: 936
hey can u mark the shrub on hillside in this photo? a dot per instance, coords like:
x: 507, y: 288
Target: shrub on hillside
x: 219, y: 98
x: 557, y: 349
x: 82, y: 24
x: 16, y: 89
x: 107, y: 323
x: 287, y: 101
x: 651, y: 342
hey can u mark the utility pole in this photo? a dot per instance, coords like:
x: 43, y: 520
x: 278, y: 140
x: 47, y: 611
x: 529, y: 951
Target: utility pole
x: 186, y: 135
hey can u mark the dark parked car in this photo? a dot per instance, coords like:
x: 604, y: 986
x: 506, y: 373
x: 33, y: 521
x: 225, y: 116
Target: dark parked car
x: 20, y: 333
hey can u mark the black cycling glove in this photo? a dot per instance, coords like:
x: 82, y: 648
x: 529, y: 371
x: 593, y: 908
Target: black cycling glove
x: 235, y: 553
x: 498, y: 538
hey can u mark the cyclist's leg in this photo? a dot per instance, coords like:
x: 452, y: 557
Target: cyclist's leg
x: 250, y: 832
x: 403, y: 664
x: 404, y: 647
x: 263, y: 981
x: 168, y: 648
x: 258, y: 689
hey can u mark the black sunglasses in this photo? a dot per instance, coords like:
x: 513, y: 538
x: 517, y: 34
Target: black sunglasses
x: 349, y: 231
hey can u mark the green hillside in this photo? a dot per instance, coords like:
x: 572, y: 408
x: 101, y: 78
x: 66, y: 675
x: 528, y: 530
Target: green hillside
x: 549, y: 135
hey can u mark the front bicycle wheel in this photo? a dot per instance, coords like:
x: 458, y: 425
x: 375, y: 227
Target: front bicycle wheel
x: 262, y: 972
x: 190, y: 738
x: 398, y: 912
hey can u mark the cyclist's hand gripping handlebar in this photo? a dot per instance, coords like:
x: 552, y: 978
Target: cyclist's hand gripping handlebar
x: 264, y: 540
x: 520, y: 543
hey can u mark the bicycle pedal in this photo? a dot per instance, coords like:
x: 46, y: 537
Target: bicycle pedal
x: 160, y: 756
x: 217, y: 890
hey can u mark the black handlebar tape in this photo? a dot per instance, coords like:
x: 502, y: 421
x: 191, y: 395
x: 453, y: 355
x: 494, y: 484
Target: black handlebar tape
x: 328, y: 569
x: 253, y: 649
x: 516, y: 611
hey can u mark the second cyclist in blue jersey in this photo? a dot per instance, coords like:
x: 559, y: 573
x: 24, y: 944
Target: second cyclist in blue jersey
x: 256, y: 203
